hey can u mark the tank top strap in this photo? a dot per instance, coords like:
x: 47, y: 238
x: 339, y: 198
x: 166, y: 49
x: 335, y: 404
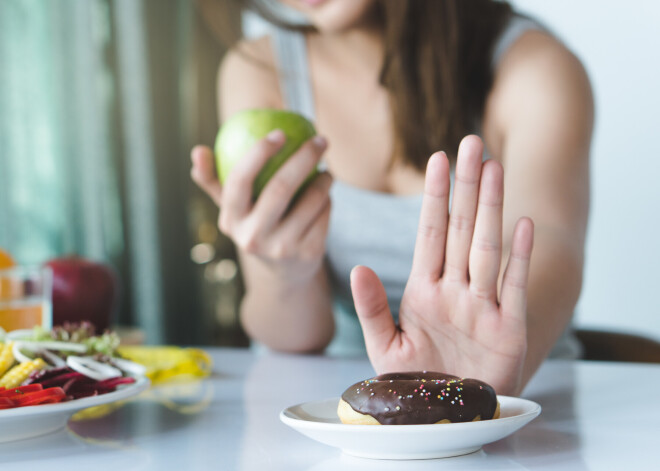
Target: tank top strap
x: 517, y: 26
x: 295, y: 82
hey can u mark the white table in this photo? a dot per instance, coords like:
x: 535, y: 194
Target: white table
x: 592, y: 419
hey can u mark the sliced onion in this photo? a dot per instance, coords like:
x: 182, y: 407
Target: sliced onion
x: 20, y: 356
x: 130, y: 366
x: 56, y: 361
x: 20, y: 334
x: 53, y: 345
x: 92, y: 368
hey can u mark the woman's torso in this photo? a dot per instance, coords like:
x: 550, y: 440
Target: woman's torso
x: 375, y: 204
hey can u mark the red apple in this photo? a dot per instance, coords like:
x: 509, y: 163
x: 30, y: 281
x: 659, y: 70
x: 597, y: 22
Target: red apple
x: 83, y: 290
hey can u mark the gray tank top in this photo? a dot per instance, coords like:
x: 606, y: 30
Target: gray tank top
x: 369, y: 228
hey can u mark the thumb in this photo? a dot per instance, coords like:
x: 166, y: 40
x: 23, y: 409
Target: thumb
x: 204, y: 174
x: 373, y: 311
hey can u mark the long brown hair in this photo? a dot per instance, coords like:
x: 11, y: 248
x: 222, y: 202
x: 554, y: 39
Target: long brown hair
x: 436, y: 68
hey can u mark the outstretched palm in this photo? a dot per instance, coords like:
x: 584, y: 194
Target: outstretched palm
x: 450, y: 318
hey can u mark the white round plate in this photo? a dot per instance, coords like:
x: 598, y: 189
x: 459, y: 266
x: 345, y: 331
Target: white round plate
x: 319, y: 421
x: 33, y: 421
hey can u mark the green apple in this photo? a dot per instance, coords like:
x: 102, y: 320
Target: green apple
x: 240, y: 133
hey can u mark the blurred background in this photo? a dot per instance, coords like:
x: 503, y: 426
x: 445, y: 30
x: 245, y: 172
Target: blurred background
x: 100, y: 103
x: 102, y: 100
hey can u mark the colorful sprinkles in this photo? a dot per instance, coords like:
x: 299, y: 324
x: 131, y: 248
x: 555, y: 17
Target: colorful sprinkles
x: 422, y: 395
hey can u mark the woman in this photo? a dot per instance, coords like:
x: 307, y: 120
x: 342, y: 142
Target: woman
x: 388, y: 83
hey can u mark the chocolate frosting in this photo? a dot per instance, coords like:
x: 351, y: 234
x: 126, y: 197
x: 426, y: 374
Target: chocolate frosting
x: 423, y: 397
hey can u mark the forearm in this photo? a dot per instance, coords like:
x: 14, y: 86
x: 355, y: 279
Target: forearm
x: 284, y: 315
x: 555, y: 281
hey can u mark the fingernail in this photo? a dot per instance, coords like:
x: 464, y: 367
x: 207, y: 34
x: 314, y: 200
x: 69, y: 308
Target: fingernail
x: 353, y: 273
x: 320, y: 142
x: 329, y: 180
x: 275, y: 136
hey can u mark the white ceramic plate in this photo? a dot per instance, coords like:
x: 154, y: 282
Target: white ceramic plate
x: 318, y: 420
x: 32, y: 421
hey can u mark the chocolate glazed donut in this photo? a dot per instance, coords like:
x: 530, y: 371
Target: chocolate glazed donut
x: 423, y: 397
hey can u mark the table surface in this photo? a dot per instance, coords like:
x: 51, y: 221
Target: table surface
x: 595, y: 416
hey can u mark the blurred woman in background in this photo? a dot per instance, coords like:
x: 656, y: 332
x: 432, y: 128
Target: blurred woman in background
x: 389, y: 83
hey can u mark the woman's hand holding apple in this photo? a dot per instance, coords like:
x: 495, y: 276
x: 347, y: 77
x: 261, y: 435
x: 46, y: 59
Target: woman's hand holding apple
x: 288, y: 238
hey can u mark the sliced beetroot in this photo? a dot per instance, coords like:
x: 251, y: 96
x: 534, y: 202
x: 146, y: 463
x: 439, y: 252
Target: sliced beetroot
x: 81, y: 395
x: 112, y: 383
x: 63, y: 378
x: 42, y: 375
x: 70, y: 382
x: 74, y: 384
x: 84, y: 390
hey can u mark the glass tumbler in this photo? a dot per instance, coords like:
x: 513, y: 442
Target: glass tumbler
x: 26, y: 297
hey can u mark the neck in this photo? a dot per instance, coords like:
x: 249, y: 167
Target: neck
x: 356, y: 49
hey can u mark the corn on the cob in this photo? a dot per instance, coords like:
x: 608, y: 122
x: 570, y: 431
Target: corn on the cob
x: 6, y: 357
x: 20, y: 373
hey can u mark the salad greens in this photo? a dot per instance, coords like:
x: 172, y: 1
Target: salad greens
x: 83, y: 333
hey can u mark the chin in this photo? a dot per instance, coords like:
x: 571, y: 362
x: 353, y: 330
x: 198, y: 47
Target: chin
x: 333, y: 16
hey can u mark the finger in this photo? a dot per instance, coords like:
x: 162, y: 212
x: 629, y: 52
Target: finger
x: 486, y: 250
x: 204, y: 174
x: 514, y: 283
x: 303, y: 215
x: 239, y: 182
x: 463, y: 209
x: 312, y: 244
x: 373, y: 311
x: 432, y: 230
x: 276, y: 196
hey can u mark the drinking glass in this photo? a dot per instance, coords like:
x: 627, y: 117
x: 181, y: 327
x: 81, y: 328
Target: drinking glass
x: 26, y: 297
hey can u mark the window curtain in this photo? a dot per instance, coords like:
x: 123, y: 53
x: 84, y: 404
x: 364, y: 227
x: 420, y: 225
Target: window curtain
x: 58, y: 186
x: 100, y: 103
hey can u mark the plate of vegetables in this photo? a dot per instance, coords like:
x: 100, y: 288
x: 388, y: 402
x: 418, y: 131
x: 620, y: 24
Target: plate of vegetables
x: 48, y: 375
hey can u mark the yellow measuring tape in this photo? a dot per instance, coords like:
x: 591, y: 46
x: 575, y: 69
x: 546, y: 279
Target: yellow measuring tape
x: 169, y: 363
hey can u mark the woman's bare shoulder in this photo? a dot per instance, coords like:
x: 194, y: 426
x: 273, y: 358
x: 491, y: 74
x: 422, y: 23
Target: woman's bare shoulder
x: 247, y: 77
x: 538, y: 78
x: 539, y: 56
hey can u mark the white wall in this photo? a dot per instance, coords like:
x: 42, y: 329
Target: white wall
x: 619, y: 44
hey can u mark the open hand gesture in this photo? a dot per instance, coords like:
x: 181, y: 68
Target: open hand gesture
x: 452, y: 318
